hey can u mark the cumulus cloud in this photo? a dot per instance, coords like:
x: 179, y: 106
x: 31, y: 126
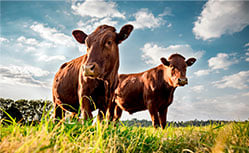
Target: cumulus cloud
x: 27, y: 41
x: 96, y: 13
x: 153, y: 52
x: 2, y: 39
x: 202, y: 72
x: 247, y: 53
x: 238, y: 81
x: 225, y: 107
x: 45, y: 58
x: 198, y: 88
x: 145, y: 19
x: 221, y: 17
x: 36, y: 48
x: 24, y: 75
x: 52, y: 35
x: 99, y: 9
x: 221, y: 61
x: 90, y: 25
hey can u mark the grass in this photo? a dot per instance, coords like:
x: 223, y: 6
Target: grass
x: 102, y: 137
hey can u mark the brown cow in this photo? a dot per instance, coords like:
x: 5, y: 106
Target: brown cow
x: 152, y: 89
x: 91, y: 76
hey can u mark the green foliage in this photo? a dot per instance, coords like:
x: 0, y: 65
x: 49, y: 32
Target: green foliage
x: 145, y: 123
x: 73, y: 136
x: 31, y: 110
x: 103, y: 137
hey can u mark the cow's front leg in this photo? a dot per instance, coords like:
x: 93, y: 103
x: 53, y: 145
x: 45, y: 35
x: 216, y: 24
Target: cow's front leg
x: 154, y: 115
x: 117, y: 113
x: 85, y: 107
x: 58, y: 111
x: 163, y: 117
x: 101, y: 113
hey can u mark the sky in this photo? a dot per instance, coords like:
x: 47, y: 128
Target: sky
x: 36, y: 40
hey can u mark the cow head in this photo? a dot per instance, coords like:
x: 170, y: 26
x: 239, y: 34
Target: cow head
x: 176, y: 69
x: 102, y: 49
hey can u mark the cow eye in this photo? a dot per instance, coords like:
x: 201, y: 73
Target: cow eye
x: 109, y: 43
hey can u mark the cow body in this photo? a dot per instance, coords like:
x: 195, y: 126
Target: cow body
x: 88, y: 82
x: 151, y: 90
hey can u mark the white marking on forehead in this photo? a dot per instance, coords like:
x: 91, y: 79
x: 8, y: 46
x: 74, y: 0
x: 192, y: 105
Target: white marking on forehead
x: 133, y: 79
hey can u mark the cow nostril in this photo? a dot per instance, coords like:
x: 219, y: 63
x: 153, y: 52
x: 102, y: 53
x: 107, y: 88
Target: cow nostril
x: 92, y: 68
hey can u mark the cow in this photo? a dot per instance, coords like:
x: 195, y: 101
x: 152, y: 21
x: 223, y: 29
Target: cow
x: 88, y: 82
x: 151, y: 90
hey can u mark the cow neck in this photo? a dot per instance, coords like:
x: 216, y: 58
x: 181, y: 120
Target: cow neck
x: 166, y: 77
x: 112, y: 78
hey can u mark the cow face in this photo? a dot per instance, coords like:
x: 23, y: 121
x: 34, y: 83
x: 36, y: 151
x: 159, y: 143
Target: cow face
x: 176, y: 69
x: 102, y: 49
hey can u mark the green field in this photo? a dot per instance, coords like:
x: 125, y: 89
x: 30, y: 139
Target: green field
x: 102, y: 137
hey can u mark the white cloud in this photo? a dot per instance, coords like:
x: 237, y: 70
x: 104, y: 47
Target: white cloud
x: 31, y: 45
x: 238, y: 81
x: 221, y: 61
x: 195, y: 106
x: 2, y: 39
x: 90, y: 25
x: 45, y: 58
x: 202, y: 72
x: 52, y: 35
x: 153, y: 52
x: 167, y: 12
x: 246, y: 45
x: 169, y: 25
x: 198, y: 88
x: 97, y: 9
x: 221, y: 17
x: 27, y: 41
x: 24, y: 75
x: 247, y: 53
x: 246, y: 94
x: 145, y: 19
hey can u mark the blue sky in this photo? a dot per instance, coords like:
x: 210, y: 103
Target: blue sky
x: 36, y: 39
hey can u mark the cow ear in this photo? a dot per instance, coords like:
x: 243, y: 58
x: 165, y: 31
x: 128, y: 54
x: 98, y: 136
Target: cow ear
x: 124, y: 33
x: 190, y: 61
x: 164, y: 61
x: 80, y: 36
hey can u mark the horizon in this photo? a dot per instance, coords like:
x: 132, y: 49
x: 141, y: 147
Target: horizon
x: 36, y: 40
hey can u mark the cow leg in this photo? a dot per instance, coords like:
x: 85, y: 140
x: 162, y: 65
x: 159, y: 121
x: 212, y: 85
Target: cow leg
x: 163, y: 117
x: 58, y: 112
x: 117, y: 113
x: 154, y: 116
x: 101, y: 114
x: 111, y: 111
x: 85, y: 108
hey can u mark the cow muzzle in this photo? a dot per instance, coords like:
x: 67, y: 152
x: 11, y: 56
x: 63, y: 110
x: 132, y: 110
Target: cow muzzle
x: 182, y: 81
x: 91, y: 70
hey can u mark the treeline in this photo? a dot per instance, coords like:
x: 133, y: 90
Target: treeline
x: 27, y: 111
x: 146, y: 123
x: 24, y: 111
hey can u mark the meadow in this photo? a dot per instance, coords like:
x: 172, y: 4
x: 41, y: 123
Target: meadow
x: 72, y: 136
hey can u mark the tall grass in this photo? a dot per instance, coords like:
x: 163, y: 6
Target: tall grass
x: 102, y: 137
